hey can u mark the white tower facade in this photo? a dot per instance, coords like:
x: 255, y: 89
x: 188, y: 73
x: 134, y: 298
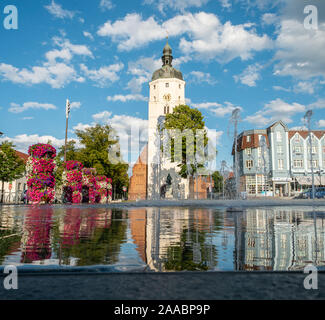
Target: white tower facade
x: 167, y: 90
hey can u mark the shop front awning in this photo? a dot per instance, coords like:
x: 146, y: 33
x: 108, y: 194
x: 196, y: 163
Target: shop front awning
x: 307, y: 181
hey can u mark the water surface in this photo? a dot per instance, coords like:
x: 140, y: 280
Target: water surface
x: 162, y: 239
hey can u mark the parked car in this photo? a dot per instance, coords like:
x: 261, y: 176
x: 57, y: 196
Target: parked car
x: 320, y: 193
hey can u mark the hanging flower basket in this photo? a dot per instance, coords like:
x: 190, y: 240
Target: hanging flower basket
x: 40, y: 178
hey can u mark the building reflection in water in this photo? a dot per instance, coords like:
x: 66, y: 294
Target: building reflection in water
x: 279, y: 239
x: 164, y: 239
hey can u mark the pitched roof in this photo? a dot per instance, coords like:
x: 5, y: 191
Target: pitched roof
x: 303, y: 133
x: 22, y: 156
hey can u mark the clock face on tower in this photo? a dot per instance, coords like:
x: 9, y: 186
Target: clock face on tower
x: 167, y: 97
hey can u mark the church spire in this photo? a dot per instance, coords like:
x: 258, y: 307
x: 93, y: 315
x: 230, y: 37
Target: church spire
x: 167, y: 57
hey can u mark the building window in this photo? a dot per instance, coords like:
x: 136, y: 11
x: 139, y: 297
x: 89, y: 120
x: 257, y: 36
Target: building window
x: 154, y: 86
x: 315, y: 164
x: 249, y: 151
x: 297, y: 149
x: 248, y: 139
x: 280, y: 164
x: 313, y: 149
x: 249, y: 164
x: 180, y: 86
x: 279, y: 150
x: 298, y: 164
x: 179, y: 98
x: 278, y: 136
x: 19, y: 186
x: 167, y: 109
x: 259, y: 151
x: 260, y: 163
x: 155, y: 99
x: 167, y: 85
x: 297, y: 138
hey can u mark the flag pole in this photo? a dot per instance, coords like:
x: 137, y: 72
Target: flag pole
x: 67, y: 111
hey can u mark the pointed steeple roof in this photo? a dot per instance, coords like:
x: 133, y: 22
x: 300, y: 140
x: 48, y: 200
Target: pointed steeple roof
x: 167, y: 70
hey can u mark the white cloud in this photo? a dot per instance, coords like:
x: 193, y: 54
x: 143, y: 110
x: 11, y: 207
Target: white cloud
x: 55, y: 73
x: 279, y: 88
x: 304, y: 87
x: 269, y: 18
x: 142, y: 70
x: 27, y: 118
x: 219, y: 110
x: 294, y: 57
x: 16, y: 108
x: 176, y: 4
x: 250, y: 75
x: 23, y: 141
x: 88, y: 35
x: 104, y: 75
x: 200, y: 77
x: 321, y: 123
x: 102, y: 116
x: 128, y: 97
x: 319, y: 104
x: 75, y: 105
x: 132, y: 31
x: 207, y: 36
x: 225, y: 3
x: 106, y: 5
x: 276, y: 110
x: 57, y: 11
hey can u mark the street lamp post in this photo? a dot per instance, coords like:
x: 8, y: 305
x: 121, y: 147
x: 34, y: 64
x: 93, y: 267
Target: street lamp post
x: 235, y: 118
x: 67, y: 112
x: 307, y: 117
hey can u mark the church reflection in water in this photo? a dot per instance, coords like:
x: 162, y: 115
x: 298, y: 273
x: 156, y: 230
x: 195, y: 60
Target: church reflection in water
x: 163, y: 239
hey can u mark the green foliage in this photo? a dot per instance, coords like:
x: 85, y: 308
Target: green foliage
x: 96, y: 142
x: 217, y: 179
x: 11, y: 166
x: 186, y: 118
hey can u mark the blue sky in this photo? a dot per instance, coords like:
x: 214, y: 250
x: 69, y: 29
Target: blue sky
x: 101, y: 54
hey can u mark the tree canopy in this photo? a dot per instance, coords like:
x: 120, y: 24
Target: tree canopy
x: 94, y: 153
x: 183, y: 118
x: 11, y: 166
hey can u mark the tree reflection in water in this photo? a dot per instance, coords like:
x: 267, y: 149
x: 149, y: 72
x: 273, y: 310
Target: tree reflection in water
x: 93, y: 237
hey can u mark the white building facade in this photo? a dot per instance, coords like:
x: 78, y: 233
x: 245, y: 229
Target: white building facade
x: 167, y: 90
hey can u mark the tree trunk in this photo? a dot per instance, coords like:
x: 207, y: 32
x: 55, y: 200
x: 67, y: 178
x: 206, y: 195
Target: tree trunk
x: 191, y: 187
x: 2, y: 191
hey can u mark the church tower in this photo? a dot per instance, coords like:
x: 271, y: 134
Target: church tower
x: 167, y: 90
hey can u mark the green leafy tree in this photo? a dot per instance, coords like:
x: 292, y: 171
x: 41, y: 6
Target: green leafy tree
x: 72, y: 154
x: 186, y: 118
x: 96, y: 142
x: 217, y: 179
x: 11, y: 166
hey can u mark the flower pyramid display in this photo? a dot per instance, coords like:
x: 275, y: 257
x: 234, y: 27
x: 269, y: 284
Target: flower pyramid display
x: 89, y: 182
x: 104, y: 188
x: 72, y: 180
x: 40, y: 173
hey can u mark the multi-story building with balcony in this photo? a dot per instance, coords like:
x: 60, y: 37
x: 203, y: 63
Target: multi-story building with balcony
x: 283, y: 166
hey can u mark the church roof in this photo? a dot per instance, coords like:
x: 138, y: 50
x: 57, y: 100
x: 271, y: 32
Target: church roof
x: 167, y: 70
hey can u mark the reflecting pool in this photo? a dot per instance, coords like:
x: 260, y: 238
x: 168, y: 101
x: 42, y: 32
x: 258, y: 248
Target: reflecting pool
x: 162, y: 239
